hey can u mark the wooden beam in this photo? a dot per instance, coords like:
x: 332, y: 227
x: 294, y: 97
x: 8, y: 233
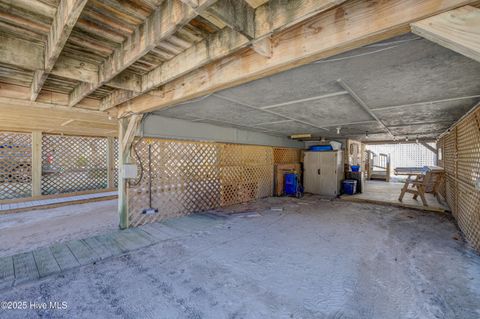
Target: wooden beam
x: 126, y: 133
x: 430, y: 148
x: 36, y: 163
x: 458, y: 30
x: 351, y: 25
x: 73, y: 69
x: 16, y: 94
x: 65, y: 18
x: 276, y: 15
x: 263, y: 47
x: 255, y: 3
x: 236, y: 14
x: 161, y: 24
x: 130, y: 131
x: 28, y: 55
x: 127, y: 81
x: 28, y: 116
x: 214, y: 48
x: 21, y: 53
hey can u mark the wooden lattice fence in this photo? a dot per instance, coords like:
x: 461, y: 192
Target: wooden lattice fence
x: 461, y: 161
x: 64, y: 164
x: 15, y: 165
x: 189, y: 177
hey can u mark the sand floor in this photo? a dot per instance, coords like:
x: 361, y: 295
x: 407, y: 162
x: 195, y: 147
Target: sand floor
x: 279, y: 258
x: 25, y: 231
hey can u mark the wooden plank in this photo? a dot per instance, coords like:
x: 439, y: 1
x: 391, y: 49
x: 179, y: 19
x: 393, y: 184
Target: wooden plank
x: 45, y: 261
x: 64, y: 256
x: 65, y: 18
x: 7, y: 273
x: 131, y: 240
x: 82, y: 252
x: 98, y: 247
x: 36, y: 163
x: 156, y: 232
x: 458, y: 30
x: 161, y: 24
x: 25, y: 267
x: 111, y: 245
x: 346, y: 27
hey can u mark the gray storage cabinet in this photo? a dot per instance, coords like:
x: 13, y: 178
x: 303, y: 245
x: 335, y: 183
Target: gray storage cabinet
x: 323, y: 172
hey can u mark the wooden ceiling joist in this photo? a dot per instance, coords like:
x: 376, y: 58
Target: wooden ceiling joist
x: 65, y: 18
x: 350, y: 25
x: 169, y: 17
x: 458, y: 30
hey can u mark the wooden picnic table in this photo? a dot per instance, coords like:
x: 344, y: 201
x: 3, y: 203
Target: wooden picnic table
x: 422, y: 179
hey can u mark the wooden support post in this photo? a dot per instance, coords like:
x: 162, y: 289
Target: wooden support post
x: 110, y: 162
x: 36, y: 163
x: 127, y: 129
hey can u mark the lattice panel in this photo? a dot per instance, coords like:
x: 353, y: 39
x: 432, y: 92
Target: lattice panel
x: 468, y: 215
x: 468, y: 150
x: 462, y: 168
x: 15, y: 165
x: 115, y: 161
x: 189, y: 177
x: 286, y: 155
x: 73, y: 163
x: 450, y: 152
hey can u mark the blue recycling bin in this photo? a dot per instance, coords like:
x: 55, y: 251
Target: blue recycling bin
x: 290, y: 187
x: 349, y: 186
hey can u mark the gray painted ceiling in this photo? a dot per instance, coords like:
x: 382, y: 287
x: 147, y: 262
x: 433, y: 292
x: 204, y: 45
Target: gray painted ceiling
x: 415, y: 87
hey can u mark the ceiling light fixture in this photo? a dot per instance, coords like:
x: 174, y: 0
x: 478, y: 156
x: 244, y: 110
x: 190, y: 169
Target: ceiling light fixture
x: 338, y: 130
x: 366, y: 134
x: 406, y: 139
x: 297, y: 136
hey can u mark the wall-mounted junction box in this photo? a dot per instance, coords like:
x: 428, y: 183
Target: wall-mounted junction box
x: 129, y: 171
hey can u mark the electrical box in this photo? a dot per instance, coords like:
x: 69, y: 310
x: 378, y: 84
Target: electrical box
x: 129, y: 171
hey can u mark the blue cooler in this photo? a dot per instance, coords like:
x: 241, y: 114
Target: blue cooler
x: 349, y: 186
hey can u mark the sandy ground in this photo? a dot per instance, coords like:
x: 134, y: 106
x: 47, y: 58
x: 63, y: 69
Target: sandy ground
x: 25, y: 231
x: 313, y: 259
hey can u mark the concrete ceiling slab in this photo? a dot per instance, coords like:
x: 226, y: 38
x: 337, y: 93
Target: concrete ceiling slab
x: 447, y: 111
x: 400, y: 71
x: 327, y: 111
x: 420, y: 129
x: 289, y: 128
